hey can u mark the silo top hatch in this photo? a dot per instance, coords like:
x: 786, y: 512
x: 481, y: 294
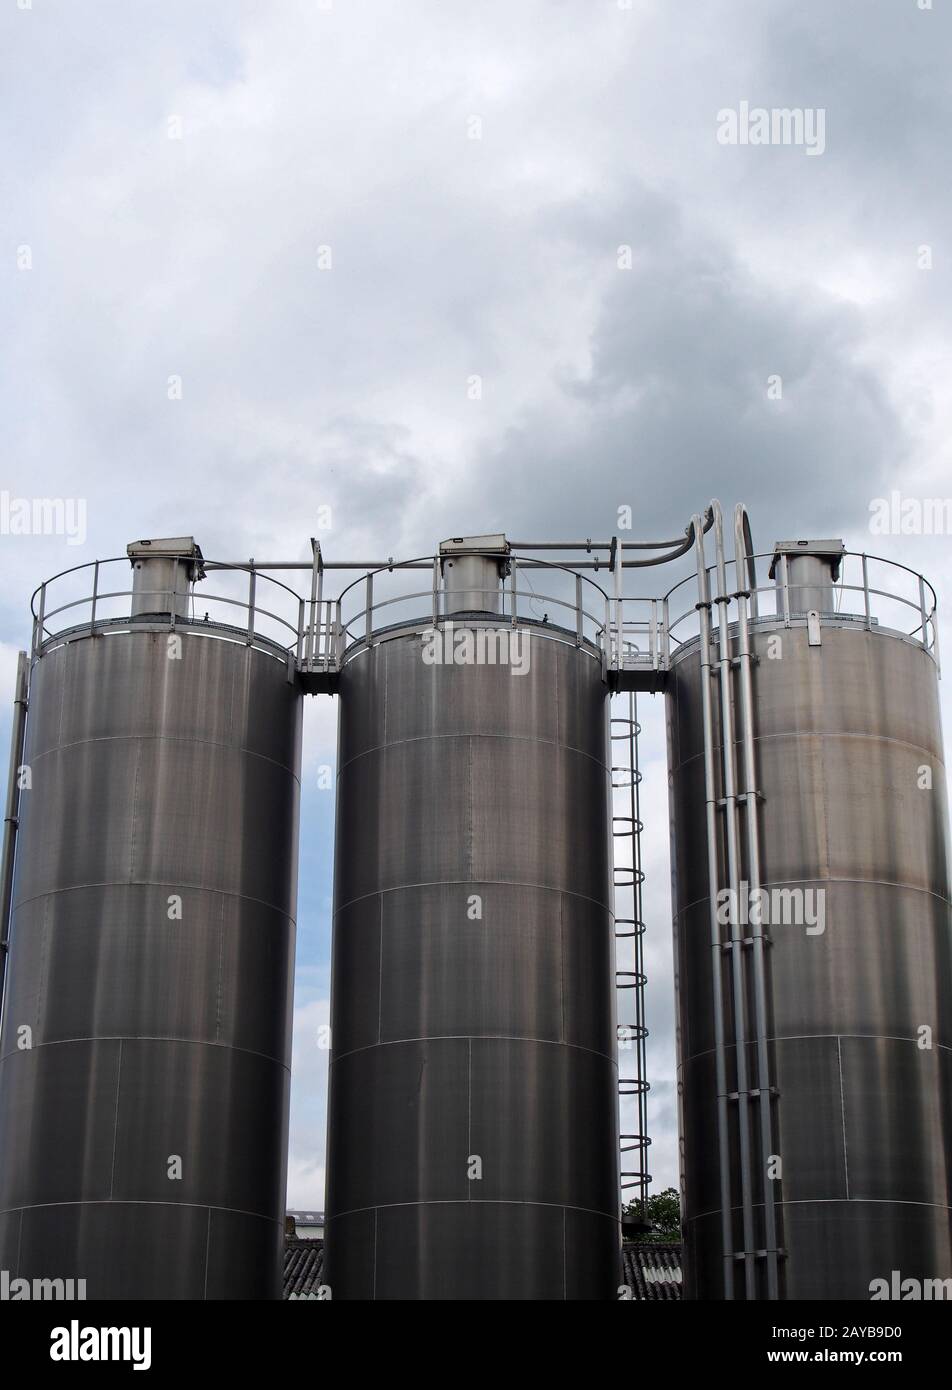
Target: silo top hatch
x: 163, y: 573
x: 169, y: 548
x: 473, y: 568
x: 804, y: 573
x: 830, y: 551
x: 495, y: 544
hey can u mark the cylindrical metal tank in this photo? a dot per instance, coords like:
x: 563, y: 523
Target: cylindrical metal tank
x: 472, y: 575
x: 145, y: 1051
x: 853, y: 829
x: 471, y: 584
x: 473, y: 1133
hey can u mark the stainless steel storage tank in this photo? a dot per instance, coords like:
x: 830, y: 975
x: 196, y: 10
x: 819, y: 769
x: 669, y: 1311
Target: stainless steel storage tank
x: 473, y: 1134
x: 851, y: 807
x: 146, y: 1031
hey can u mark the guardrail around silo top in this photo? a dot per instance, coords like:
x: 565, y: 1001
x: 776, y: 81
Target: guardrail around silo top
x: 535, y: 593
x: 318, y: 634
x: 863, y: 596
x: 237, y: 604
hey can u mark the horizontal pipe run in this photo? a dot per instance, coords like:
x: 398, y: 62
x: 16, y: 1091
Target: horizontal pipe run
x: 595, y: 545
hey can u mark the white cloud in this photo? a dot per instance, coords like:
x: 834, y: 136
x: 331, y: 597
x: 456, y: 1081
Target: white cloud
x: 309, y: 1100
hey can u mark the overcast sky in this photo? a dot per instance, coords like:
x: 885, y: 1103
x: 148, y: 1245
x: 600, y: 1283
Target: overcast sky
x: 326, y: 219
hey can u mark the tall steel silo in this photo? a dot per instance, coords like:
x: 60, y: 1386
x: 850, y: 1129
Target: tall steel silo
x: 473, y: 1133
x: 831, y: 1046
x: 145, y: 1049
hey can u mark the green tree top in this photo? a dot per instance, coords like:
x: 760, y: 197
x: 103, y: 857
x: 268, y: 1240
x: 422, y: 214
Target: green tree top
x: 664, y: 1217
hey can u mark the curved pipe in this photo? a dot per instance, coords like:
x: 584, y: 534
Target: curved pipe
x: 744, y: 556
x: 696, y: 527
x: 744, y: 549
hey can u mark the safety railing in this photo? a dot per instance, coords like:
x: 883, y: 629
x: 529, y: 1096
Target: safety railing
x: 239, y: 604
x: 317, y: 633
x: 569, y: 604
x: 871, y: 592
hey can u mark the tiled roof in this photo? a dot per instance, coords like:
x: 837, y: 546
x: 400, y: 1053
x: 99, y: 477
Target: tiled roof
x: 303, y: 1267
x: 652, y: 1272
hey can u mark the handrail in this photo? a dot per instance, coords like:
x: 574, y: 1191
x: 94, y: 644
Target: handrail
x: 263, y: 625
x: 634, y: 633
x: 924, y: 605
x: 355, y: 629
x: 216, y: 565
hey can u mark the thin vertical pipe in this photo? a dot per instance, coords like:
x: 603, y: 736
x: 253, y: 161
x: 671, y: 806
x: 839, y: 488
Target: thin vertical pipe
x: 315, y: 605
x: 745, y: 583
x: 619, y: 609
x: 252, y: 585
x: 11, y: 817
x: 733, y: 873
x: 92, y: 615
x: 317, y: 638
x: 300, y: 639
x: 40, y: 617
x: 710, y: 805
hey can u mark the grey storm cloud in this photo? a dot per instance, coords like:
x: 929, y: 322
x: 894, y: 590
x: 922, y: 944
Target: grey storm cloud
x: 681, y: 354
x: 350, y: 126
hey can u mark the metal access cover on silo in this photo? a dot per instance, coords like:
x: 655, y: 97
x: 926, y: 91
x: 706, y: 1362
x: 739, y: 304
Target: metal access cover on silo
x: 495, y: 544
x: 170, y: 548
x: 831, y: 550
